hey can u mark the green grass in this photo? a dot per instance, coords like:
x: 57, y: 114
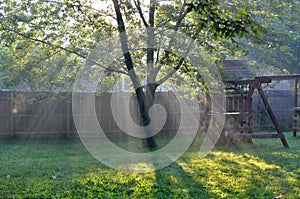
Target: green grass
x: 64, y: 169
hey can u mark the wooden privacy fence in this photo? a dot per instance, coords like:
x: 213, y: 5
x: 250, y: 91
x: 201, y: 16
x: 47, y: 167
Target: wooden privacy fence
x: 20, y: 115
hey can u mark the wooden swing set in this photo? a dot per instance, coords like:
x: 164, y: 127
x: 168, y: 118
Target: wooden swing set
x: 239, y: 113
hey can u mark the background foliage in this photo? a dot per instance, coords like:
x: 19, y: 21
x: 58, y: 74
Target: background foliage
x: 43, y: 43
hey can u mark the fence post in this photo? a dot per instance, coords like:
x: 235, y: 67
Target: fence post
x: 11, y: 119
x: 68, y: 115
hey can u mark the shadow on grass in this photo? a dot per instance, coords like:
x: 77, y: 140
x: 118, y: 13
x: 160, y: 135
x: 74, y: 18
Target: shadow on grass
x: 174, y: 182
x: 273, y: 152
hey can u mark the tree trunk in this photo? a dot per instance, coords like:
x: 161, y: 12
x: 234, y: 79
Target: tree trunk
x: 145, y: 101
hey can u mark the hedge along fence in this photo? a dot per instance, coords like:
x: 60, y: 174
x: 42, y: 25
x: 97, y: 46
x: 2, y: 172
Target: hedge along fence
x: 20, y: 114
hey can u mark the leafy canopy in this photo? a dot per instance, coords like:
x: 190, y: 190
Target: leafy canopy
x: 43, y: 43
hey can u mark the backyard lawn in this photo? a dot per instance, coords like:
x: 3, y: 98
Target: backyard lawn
x: 64, y: 169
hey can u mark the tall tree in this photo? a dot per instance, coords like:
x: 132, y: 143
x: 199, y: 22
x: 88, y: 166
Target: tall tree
x: 74, y: 27
x: 207, y: 15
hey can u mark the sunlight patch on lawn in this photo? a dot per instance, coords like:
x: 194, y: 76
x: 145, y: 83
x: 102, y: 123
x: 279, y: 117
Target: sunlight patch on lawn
x: 228, y: 174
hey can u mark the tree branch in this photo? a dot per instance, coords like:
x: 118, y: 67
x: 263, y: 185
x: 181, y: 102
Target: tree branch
x: 61, y: 48
x: 84, y: 6
x: 172, y: 72
x: 150, y: 43
x: 183, y: 13
x: 51, y: 55
x: 138, y: 6
x: 151, y: 12
x: 157, y: 57
x: 124, y: 44
x: 179, y: 64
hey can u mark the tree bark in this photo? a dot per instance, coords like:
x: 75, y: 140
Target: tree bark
x: 145, y: 101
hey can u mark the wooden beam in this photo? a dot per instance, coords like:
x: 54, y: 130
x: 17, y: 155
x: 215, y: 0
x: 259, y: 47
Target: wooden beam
x: 272, y: 116
x: 278, y: 77
x: 248, y: 81
x: 297, y: 119
x: 260, y: 136
x: 263, y: 79
x: 296, y: 108
x: 296, y: 128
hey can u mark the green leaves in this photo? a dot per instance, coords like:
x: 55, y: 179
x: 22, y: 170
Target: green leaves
x: 33, y: 34
x: 221, y: 21
x: 278, y: 35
